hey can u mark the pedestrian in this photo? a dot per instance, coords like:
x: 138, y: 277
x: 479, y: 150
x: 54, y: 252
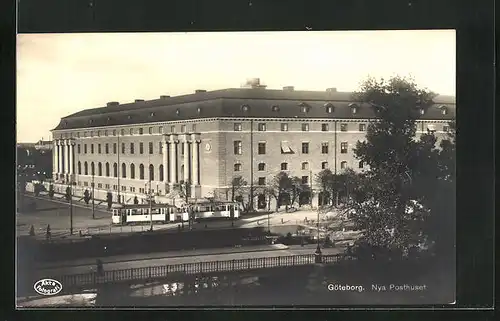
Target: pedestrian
x: 48, y: 233
x: 281, y: 220
x: 32, y: 230
x: 100, y: 268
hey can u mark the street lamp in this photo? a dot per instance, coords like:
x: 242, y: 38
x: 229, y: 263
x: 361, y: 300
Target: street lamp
x: 93, y: 206
x: 150, y: 196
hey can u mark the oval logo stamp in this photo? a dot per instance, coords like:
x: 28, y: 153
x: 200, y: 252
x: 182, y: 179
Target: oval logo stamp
x: 48, y: 287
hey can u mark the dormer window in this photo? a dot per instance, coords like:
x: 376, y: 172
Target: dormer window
x: 276, y: 108
x: 422, y: 111
x: 329, y: 108
x: 444, y: 110
x: 304, y: 108
x: 152, y: 114
x: 129, y: 117
x: 431, y: 128
x: 90, y: 121
x: 109, y: 118
x: 245, y: 108
x: 177, y: 112
x: 199, y: 110
x: 354, y: 107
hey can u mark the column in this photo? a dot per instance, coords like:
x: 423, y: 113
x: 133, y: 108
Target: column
x: 195, y: 160
x: 186, y: 158
x: 66, y: 156
x: 165, y: 159
x: 173, y: 159
x: 71, y: 156
x: 55, y: 160
x: 60, y: 158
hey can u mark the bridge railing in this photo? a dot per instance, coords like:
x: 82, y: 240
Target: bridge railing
x: 154, y: 272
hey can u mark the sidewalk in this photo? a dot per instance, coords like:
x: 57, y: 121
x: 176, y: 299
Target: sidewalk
x: 162, y: 255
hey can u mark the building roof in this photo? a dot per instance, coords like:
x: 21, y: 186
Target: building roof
x: 261, y: 103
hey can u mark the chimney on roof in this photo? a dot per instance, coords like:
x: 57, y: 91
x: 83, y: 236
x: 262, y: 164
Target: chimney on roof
x: 197, y: 91
x: 164, y: 96
x: 139, y: 100
x: 253, y: 83
x: 113, y: 103
x: 288, y: 88
x: 331, y: 90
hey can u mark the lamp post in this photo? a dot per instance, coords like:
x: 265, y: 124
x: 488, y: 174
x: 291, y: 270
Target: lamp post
x: 93, y: 206
x: 149, y: 194
x: 70, y: 207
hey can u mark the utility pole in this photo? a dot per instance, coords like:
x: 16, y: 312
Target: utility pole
x: 70, y: 208
x: 93, y: 206
x: 150, y: 205
x: 118, y: 166
x: 251, y: 165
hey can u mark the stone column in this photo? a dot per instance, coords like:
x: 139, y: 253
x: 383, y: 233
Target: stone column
x: 66, y: 160
x: 195, y: 160
x: 165, y: 159
x: 173, y: 159
x: 71, y: 147
x: 186, y: 158
x: 60, y: 157
x: 55, y: 160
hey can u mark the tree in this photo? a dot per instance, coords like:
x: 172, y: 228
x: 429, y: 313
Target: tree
x: 183, y: 190
x: 280, y: 188
x: 327, y: 182
x: 86, y: 196
x: 68, y: 194
x: 109, y: 200
x: 386, y: 212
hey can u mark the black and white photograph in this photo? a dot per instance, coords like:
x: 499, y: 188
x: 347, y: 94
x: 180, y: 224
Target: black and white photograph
x: 236, y: 169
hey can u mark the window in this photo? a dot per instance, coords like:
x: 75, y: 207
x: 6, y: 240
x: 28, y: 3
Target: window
x: 123, y: 148
x: 99, y: 185
x: 446, y: 128
x: 124, y: 188
x: 114, y: 132
x: 183, y: 128
x: 160, y: 173
x: 305, y: 166
x: 160, y: 147
x: 237, y: 167
x: 237, y: 127
x: 284, y: 166
x: 84, y: 134
x: 124, y: 170
x: 422, y: 111
x: 99, y: 148
x: 107, y: 171
x: 115, y: 170
x: 85, y: 168
x: 78, y: 135
x: 79, y: 168
x: 361, y: 164
x: 132, y: 171
x: 329, y: 108
x: 362, y: 127
x: 114, y: 148
x: 262, y: 181
x: 98, y: 133
x: 150, y: 130
x: 151, y: 172
x: 115, y: 187
x: 324, y: 127
x: 354, y: 108
x: 106, y: 133
x: 343, y: 148
x: 305, y: 180
x: 305, y: 127
x: 305, y: 148
x: 262, y: 167
x: 172, y: 129
x: 141, y: 171
x: 343, y: 164
x: 91, y: 132
x: 182, y: 150
x: 237, y: 147
x: 131, y: 131
x: 122, y: 132
x: 276, y: 108
x: 99, y: 169
x: 106, y: 186
x: 324, y: 165
x: 132, y: 150
x: 92, y: 148
x: 285, y: 148
x: 261, y: 149
x: 106, y: 148
x: 324, y: 148
x: 160, y: 129
x: 141, y: 148
x: 78, y: 148
x: 343, y: 127
x: 150, y: 148
x: 284, y: 127
x: 262, y: 127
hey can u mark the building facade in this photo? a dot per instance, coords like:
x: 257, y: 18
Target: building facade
x: 208, y: 138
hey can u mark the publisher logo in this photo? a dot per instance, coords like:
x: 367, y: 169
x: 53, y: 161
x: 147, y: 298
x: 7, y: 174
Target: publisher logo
x: 48, y: 287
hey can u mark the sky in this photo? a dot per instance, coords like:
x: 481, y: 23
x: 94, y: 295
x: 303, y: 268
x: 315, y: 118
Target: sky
x: 60, y: 74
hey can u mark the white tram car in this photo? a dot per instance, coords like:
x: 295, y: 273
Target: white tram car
x: 139, y: 213
x: 216, y: 210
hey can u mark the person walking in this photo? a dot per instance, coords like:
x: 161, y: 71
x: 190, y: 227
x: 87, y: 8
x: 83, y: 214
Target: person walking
x: 100, y: 268
x: 48, y: 233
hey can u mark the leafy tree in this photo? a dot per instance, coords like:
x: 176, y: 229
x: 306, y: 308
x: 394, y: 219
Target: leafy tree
x: 280, y: 186
x: 388, y: 212
x: 86, y: 196
x: 237, y: 186
x: 109, y: 200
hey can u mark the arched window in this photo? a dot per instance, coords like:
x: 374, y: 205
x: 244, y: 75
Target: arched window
x: 361, y: 164
x: 151, y: 172
x: 160, y: 172
x: 86, y: 168
x: 99, y: 169
x: 132, y: 171
x: 124, y: 170
x: 79, y: 168
x: 262, y: 167
x: 141, y: 171
x: 284, y: 166
x: 115, y: 170
x: 92, y: 168
x: 107, y: 169
x: 343, y: 165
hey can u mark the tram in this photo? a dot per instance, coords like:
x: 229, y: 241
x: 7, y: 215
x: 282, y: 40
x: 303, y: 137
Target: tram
x: 207, y: 210
x: 139, y: 213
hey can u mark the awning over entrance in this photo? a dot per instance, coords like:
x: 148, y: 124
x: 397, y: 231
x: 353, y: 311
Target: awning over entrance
x: 285, y: 148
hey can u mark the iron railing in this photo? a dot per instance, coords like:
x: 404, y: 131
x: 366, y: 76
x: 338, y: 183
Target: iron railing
x: 194, y: 268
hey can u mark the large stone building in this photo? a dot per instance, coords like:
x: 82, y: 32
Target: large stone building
x: 207, y: 138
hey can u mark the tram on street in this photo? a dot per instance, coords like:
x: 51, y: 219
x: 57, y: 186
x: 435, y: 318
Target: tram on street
x: 139, y: 213
x: 206, y: 210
